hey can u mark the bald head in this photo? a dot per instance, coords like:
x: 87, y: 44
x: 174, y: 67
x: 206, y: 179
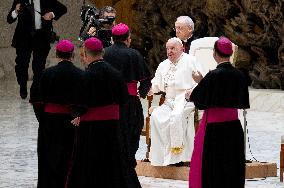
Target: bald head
x: 174, y: 49
x: 186, y: 20
x: 184, y: 27
x: 175, y: 40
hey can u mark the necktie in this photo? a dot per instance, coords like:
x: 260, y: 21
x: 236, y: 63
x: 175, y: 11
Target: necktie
x: 33, y: 14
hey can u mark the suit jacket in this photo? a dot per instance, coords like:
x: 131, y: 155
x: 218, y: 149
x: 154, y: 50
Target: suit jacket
x: 25, y: 26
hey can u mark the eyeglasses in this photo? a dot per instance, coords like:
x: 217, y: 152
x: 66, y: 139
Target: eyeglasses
x: 181, y: 28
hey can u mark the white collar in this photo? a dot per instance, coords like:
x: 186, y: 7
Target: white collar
x: 178, y: 59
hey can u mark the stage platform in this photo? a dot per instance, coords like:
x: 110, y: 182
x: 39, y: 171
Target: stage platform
x: 253, y: 170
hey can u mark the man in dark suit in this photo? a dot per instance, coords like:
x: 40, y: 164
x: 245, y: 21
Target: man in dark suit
x: 32, y: 36
x: 101, y: 29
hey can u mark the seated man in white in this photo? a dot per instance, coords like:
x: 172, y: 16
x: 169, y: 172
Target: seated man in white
x: 172, y: 124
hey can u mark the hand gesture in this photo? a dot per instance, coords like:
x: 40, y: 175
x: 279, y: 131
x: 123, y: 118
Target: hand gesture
x: 76, y: 121
x: 187, y: 94
x: 18, y: 8
x: 92, y: 31
x: 150, y: 92
x: 48, y: 16
x: 197, y: 76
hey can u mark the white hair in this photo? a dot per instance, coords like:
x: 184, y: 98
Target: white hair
x: 187, y: 20
x: 176, y: 40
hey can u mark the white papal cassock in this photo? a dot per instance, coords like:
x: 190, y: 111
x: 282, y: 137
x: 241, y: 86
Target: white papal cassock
x: 172, y: 124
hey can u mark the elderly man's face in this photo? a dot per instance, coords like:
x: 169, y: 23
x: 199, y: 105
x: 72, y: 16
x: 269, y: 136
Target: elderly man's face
x: 183, y: 31
x: 174, y: 50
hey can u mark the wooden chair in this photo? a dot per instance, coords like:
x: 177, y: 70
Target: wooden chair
x: 202, y: 49
x: 282, y: 159
x: 146, y: 130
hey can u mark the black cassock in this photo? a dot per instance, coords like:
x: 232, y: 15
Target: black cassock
x: 134, y: 69
x: 186, y: 45
x: 101, y: 155
x: 223, y: 87
x: 60, y: 88
x: 223, y: 159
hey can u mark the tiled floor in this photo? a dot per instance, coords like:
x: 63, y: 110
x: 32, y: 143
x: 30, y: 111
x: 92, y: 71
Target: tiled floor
x: 18, y: 133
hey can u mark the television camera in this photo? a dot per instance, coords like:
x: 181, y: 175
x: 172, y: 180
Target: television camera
x: 91, y: 17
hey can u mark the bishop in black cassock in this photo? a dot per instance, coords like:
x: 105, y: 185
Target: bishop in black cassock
x: 61, y: 101
x: 218, y: 158
x: 102, y: 158
x: 132, y: 66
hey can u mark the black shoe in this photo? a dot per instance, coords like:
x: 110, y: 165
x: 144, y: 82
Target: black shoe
x: 23, y: 92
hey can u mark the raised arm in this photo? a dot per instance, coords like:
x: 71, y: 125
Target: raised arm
x: 13, y: 13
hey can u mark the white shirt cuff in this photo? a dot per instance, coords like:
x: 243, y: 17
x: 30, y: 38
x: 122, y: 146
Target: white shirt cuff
x: 14, y: 14
x: 53, y: 15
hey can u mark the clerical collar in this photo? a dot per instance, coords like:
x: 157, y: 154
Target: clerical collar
x: 175, y: 63
x: 65, y: 61
x: 187, y: 39
x: 95, y: 62
x: 224, y: 63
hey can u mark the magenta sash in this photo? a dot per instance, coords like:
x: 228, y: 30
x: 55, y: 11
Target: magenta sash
x: 132, y: 88
x: 110, y: 112
x: 211, y: 115
x: 56, y: 108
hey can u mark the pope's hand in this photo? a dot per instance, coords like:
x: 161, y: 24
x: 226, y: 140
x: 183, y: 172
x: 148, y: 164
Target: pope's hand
x: 150, y: 93
x: 187, y: 95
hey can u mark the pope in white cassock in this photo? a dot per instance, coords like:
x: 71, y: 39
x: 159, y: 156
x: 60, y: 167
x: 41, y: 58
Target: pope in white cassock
x: 172, y: 124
